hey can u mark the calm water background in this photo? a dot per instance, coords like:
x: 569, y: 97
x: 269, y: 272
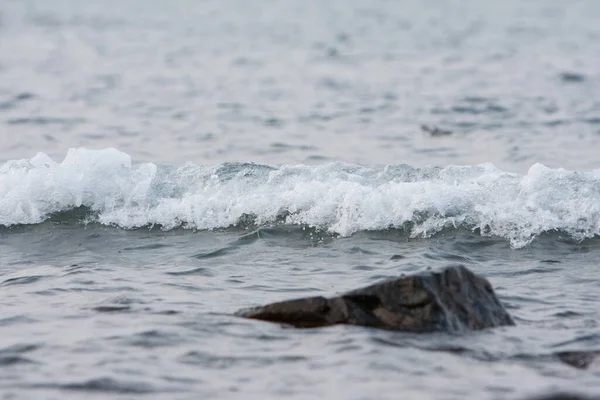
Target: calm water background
x: 90, y: 307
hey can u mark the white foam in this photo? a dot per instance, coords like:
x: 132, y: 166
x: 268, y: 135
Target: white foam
x: 339, y: 198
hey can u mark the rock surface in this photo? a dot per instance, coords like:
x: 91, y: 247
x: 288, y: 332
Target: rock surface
x: 451, y: 299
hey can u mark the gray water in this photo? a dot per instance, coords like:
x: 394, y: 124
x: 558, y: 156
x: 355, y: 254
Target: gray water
x: 271, y: 150
x: 304, y: 81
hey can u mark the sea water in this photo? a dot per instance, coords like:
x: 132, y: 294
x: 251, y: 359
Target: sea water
x: 164, y: 164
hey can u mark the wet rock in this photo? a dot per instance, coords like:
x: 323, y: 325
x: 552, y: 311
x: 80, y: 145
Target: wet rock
x: 451, y: 299
x: 579, y: 359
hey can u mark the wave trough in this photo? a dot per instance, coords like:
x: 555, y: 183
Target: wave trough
x: 339, y: 198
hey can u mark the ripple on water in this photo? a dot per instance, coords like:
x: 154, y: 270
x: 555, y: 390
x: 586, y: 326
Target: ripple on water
x: 193, y: 271
x: 102, y: 385
x: 211, y: 360
x: 15, y: 354
x: 23, y: 280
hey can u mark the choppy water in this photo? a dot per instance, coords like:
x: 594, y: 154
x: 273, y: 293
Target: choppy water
x: 229, y: 154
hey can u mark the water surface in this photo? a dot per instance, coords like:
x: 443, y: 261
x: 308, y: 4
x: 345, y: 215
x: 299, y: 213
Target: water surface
x: 166, y: 164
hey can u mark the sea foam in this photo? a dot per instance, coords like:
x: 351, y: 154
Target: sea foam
x: 339, y: 198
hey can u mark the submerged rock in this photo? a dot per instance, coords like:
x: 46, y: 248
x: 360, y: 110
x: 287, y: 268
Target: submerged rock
x: 451, y: 299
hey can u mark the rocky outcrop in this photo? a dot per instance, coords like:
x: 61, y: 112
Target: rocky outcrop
x: 451, y: 299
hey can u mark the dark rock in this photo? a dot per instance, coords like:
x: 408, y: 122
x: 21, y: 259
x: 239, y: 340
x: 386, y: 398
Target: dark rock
x: 452, y: 299
x: 579, y: 359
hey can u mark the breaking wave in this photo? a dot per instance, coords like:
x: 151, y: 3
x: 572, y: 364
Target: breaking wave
x: 339, y: 198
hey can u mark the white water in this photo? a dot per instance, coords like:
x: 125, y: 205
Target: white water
x: 337, y: 197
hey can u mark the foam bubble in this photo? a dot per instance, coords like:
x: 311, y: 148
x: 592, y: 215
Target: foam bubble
x: 340, y: 198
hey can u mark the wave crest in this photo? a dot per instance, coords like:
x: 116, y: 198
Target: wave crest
x: 339, y: 198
